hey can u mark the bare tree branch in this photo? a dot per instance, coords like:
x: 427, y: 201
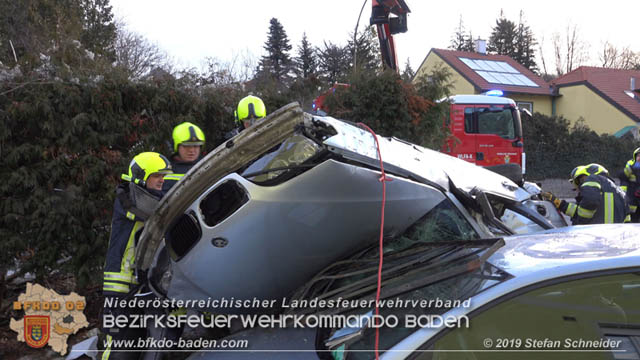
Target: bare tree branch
x: 136, y: 55
x: 615, y: 58
x: 570, y: 53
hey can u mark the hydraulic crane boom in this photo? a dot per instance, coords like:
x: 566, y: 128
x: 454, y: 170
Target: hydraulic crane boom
x: 387, y: 26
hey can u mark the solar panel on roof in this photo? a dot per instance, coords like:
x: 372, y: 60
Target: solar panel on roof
x: 513, y: 78
x: 527, y: 81
x: 487, y: 76
x: 495, y: 66
x: 470, y: 63
x: 503, y: 78
x: 498, y: 72
x: 485, y: 65
x: 508, y: 68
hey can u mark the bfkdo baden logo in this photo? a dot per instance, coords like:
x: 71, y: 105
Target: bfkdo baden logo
x: 36, y: 330
x: 49, y: 318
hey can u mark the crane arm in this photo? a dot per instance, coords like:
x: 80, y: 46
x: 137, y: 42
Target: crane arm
x: 388, y: 25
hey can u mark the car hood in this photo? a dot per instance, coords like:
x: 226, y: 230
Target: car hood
x: 568, y: 247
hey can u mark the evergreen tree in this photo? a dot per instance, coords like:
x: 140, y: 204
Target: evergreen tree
x: 99, y: 35
x: 305, y: 63
x: 333, y: 62
x: 32, y: 27
x: 276, y: 64
x: 503, y: 37
x: 365, y: 51
x: 525, y: 45
x: 461, y: 41
x: 515, y: 41
x: 407, y: 73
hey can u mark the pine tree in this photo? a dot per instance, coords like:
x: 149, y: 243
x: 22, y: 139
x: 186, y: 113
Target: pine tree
x: 276, y: 64
x: 503, y: 37
x: 365, y: 51
x: 333, y: 62
x: 515, y: 41
x: 525, y: 44
x: 32, y: 27
x: 305, y: 63
x: 407, y: 73
x: 99, y: 35
x: 461, y: 41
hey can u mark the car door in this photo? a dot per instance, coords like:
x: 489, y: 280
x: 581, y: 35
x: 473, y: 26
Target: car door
x: 594, y: 317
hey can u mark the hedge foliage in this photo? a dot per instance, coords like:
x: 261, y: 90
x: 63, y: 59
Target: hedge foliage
x: 63, y: 147
x: 391, y: 107
x: 554, y: 147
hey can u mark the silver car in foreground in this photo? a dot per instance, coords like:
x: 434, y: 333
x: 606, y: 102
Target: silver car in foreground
x: 570, y: 293
x: 266, y: 211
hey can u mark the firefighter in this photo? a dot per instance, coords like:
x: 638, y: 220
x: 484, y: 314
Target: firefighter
x: 250, y: 109
x: 629, y: 183
x: 187, y: 143
x: 599, y: 200
x: 147, y: 171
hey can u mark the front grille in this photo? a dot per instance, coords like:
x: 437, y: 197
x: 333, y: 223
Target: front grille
x: 183, y: 235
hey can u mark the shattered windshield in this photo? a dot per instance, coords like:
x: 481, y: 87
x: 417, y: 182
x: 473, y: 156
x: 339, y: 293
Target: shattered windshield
x: 291, y: 154
x: 430, y: 260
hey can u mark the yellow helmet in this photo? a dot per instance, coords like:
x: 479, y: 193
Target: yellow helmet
x: 586, y: 170
x: 187, y: 134
x: 145, y: 164
x: 576, y: 173
x: 597, y: 169
x: 250, y: 107
x: 635, y: 154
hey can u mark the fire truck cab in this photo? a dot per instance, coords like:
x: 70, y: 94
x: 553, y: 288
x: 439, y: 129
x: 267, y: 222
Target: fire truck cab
x: 485, y: 130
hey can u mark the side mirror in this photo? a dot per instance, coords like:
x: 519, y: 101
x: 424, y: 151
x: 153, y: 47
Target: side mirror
x: 527, y: 112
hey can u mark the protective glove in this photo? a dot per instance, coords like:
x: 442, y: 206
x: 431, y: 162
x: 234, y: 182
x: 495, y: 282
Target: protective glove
x: 546, y: 195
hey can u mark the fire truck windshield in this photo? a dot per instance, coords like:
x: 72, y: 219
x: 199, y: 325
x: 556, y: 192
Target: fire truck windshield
x: 498, y: 120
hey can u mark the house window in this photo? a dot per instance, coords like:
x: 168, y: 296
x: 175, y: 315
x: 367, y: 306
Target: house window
x: 525, y: 105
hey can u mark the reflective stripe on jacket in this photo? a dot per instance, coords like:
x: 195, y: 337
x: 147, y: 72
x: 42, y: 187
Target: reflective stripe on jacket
x: 600, y: 202
x: 118, y: 274
x: 179, y: 170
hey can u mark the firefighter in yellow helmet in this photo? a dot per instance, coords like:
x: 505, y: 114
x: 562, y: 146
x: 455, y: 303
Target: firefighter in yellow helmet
x: 599, y: 200
x: 630, y: 184
x: 187, y: 143
x: 250, y: 109
x: 143, y: 184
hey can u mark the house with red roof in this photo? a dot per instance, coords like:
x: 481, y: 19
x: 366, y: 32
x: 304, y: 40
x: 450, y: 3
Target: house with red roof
x: 478, y: 72
x: 607, y: 99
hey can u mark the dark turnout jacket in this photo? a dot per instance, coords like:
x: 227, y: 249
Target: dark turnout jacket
x: 600, y: 202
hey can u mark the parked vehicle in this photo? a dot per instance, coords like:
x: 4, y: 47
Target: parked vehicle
x: 487, y: 131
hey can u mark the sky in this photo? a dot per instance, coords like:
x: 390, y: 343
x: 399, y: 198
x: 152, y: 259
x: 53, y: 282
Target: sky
x: 192, y: 30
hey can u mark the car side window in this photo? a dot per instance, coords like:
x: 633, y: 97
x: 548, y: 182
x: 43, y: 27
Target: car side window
x: 580, y: 314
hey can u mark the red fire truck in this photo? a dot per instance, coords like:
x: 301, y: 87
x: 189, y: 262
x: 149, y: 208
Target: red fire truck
x: 485, y: 130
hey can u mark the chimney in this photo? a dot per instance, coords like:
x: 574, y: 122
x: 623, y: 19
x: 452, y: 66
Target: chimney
x: 481, y: 46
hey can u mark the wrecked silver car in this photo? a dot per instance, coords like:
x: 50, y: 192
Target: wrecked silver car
x: 270, y: 208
